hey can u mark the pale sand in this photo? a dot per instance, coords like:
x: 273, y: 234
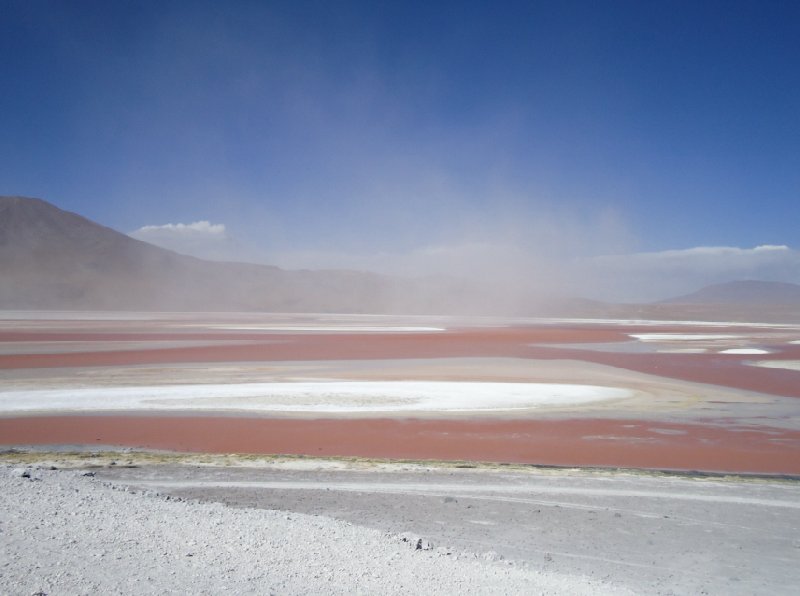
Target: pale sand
x: 66, y: 533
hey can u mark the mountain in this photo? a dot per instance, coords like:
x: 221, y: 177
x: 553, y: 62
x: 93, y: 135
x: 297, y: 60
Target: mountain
x: 745, y: 293
x: 54, y: 259
x: 50, y: 258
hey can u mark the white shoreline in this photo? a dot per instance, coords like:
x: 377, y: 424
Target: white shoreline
x: 782, y: 364
x: 309, y: 397
x: 329, y: 328
x: 667, y: 337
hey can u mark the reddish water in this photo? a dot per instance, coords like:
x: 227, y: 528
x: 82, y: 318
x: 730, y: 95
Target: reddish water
x: 587, y: 442
x: 578, y: 442
x: 716, y: 369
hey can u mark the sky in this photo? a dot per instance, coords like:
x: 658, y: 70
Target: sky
x: 621, y: 150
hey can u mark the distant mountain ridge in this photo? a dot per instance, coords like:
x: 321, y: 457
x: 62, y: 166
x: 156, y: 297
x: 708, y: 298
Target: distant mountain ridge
x: 745, y: 292
x: 50, y: 258
x: 54, y: 259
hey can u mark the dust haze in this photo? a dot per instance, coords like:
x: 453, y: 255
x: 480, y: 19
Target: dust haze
x: 496, y: 261
x: 505, y: 259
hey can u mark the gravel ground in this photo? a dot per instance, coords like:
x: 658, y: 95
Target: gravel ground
x: 653, y: 533
x: 65, y: 532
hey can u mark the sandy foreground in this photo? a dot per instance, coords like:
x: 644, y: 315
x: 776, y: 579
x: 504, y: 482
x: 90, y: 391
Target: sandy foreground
x: 67, y: 533
x: 127, y: 523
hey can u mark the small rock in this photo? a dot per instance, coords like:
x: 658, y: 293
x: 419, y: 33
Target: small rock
x: 450, y: 500
x: 25, y: 474
x: 415, y: 541
x: 89, y: 474
x: 407, y: 537
x: 423, y: 544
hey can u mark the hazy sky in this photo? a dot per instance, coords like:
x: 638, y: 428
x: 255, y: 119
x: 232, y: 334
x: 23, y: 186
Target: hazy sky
x: 399, y: 135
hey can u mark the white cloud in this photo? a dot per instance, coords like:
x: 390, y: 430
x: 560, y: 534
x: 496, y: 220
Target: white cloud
x: 770, y: 247
x: 197, y: 229
x: 200, y: 239
x: 708, y: 251
x: 716, y: 258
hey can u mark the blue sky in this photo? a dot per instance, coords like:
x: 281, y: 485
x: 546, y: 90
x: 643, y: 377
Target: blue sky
x: 375, y: 134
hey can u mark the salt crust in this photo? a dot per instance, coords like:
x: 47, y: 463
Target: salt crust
x: 784, y: 364
x: 648, y: 337
x: 330, y: 397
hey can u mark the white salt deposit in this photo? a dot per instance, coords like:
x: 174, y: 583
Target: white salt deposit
x: 312, y: 397
x: 328, y: 328
x: 785, y: 364
x: 660, y: 323
x: 744, y: 351
x: 682, y: 336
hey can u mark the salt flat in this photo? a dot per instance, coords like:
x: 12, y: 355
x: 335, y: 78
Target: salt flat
x: 783, y: 364
x: 313, y: 397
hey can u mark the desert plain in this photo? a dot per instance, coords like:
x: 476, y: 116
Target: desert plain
x: 649, y: 456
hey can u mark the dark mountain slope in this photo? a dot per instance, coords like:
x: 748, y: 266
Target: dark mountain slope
x: 50, y: 258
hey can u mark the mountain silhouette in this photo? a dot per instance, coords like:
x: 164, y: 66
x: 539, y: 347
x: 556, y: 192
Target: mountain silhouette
x: 54, y: 259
